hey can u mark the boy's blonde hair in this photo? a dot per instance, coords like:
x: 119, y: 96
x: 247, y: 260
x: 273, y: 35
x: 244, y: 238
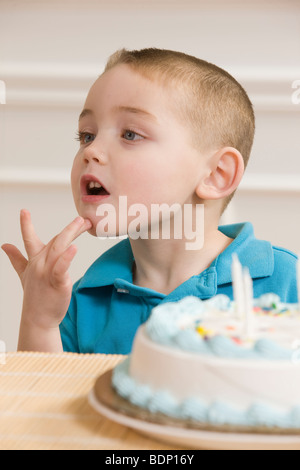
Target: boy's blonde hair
x: 208, y: 98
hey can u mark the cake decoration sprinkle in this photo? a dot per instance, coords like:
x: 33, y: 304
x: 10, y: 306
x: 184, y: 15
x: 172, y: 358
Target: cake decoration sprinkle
x: 204, y: 332
x: 230, y: 327
x: 237, y: 340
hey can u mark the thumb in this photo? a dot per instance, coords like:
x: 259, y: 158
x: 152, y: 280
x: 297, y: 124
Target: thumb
x: 18, y: 261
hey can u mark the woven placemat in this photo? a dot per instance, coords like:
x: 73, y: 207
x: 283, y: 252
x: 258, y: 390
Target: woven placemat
x: 43, y: 404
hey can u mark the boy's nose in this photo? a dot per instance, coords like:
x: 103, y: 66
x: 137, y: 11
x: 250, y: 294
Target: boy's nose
x: 93, y: 154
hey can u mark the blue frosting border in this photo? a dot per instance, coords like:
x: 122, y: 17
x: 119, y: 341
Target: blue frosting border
x: 162, y: 328
x: 194, y: 409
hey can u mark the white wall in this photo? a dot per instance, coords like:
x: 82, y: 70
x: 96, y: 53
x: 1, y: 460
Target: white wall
x: 51, y: 51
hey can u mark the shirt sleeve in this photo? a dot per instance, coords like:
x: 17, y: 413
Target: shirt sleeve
x: 68, y: 328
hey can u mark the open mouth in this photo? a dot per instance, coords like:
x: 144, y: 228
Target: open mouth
x: 90, y: 186
x: 93, y: 188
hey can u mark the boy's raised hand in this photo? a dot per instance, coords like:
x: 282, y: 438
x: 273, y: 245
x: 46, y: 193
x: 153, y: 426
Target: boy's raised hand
x: 44, y: 275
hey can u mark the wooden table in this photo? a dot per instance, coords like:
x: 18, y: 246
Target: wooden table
x: 43, y: 405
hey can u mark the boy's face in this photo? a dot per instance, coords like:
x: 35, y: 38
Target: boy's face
x: 134, y: 145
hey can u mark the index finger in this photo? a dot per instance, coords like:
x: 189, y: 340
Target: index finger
x: 32, y: 243
x: 72, y: 231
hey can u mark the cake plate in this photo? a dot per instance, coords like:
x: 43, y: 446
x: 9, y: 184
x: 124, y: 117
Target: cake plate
x: 186, y: 434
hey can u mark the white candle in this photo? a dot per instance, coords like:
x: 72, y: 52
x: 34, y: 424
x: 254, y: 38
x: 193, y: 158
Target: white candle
x: 248, y: 299
x: 238, y: 286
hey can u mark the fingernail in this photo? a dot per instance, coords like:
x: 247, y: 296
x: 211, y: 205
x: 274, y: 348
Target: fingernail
x: 79, y: 220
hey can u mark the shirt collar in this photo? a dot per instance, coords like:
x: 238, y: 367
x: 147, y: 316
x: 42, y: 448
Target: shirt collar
x: 114, y: 267
x: 115, y: 263
x: 256, y: 254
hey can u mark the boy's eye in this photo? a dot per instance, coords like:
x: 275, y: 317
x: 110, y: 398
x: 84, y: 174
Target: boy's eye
x: 85, y: 137
x: 131, y: 135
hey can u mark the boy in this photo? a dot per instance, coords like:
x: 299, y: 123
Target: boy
x: 159, y: 127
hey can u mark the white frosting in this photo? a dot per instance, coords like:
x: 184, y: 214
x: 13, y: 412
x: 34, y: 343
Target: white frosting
x: 209, y: 376
x: 276, y: 327
x: 232, y: 380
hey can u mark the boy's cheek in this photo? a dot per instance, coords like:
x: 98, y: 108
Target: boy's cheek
x: 74, y: 177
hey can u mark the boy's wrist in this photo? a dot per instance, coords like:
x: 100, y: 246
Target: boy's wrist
x: 39, y: 317
x: 36, y: 337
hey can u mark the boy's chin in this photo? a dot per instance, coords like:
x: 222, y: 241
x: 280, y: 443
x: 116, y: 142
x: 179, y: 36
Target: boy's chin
x: 95, y: 232
x: 109, y: 236
x: 92, y: 231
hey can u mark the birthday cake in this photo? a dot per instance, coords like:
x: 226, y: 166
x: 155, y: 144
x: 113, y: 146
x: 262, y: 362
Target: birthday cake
x: 205, y: 362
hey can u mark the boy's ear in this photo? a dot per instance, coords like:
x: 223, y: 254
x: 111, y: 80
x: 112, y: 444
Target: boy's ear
x: 225, y: 171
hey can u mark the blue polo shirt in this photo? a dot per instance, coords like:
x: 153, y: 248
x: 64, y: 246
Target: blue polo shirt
x: 107, y: 308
